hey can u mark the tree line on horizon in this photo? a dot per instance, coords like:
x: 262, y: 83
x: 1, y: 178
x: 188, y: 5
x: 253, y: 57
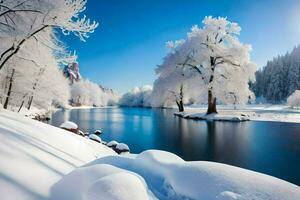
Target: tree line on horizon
x: 279, y: 79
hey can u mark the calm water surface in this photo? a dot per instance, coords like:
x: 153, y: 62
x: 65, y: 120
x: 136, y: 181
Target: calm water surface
x: 269, y: 147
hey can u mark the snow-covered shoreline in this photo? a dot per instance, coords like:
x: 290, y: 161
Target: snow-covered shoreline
x: 35, y: 155
x: 272, y: 113
x: 255, y: 112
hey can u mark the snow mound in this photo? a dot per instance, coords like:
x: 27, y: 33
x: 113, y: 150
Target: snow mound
x: 112, y: 143
x: 95, y: 138
x: 122, y: 147
x: 69, y: 125
x: 101, y: 182
x: 170, y: 177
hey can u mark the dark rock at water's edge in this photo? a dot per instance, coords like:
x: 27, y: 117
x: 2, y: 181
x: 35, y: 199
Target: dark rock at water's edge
x: 98, y: 132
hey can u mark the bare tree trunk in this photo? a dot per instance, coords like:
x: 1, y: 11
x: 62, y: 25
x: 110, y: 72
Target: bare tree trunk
x: 180, y: 107
x: 5, y: 105
x: 21, y: 106
x: 212, y: 101
x: 30, y: 102
x: 212, y: 107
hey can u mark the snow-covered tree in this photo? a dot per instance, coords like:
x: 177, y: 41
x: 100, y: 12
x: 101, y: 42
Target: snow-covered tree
x: 111, y: 98
x: 175, y: 85
x: 88, y: 93
x: 22, y: 20
x: 168, y: 88
x: 294, y: 99
x: 32, y: 77
x: 138, y: 97
x: 30, y: 54
x: 222, y: 62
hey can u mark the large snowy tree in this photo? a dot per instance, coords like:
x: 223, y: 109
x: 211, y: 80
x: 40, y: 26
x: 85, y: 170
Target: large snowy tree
x: 21, y: 20
x: 174, y: 84
x: 30, y: 53
x: 32, y: 77
x: 215, y: 53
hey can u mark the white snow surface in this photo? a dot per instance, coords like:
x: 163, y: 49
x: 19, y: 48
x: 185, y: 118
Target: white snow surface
x: 213, y: 116
x: 161, y: 175
x: 34, y: 156
x: 101, y: 182
x: 69, y: 125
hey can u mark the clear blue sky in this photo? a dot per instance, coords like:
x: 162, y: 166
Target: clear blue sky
x: 130, y: 40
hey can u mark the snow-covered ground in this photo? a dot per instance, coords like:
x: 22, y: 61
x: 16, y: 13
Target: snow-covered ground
x: 39, y: 161
x: 280, y: 113
x: 34, y: 156
x: 161, y: 175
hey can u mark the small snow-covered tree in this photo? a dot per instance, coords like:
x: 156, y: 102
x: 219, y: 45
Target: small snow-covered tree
x: 220, y: 59
x: 294, y: 99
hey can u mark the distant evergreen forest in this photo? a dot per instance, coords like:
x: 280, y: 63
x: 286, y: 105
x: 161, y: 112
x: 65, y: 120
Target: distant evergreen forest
x: 279, y: 78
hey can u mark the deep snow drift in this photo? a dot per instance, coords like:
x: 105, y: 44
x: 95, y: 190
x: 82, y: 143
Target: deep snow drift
x: 34, y: 156
x: 161, y: 175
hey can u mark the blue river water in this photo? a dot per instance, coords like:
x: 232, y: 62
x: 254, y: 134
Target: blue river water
x: 269, y: 147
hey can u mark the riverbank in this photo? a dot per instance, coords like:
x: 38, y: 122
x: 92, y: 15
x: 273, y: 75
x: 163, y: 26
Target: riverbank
x: 48, y: 154
x: 256, y: 112
x: 275, y: 113
x: 34, y: 156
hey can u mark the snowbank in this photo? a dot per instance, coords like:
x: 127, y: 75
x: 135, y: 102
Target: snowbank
x: 167, y: 176
x: 34, y: 156
x: 101, y: 182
